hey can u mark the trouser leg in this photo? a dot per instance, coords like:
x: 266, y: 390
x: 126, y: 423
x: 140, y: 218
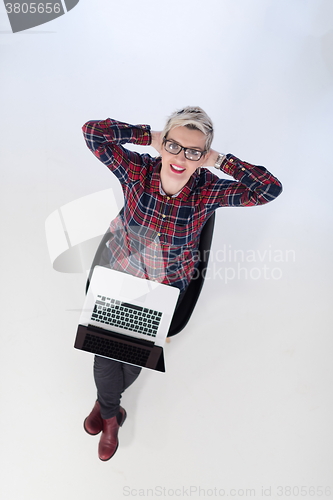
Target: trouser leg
x: 112, y: 378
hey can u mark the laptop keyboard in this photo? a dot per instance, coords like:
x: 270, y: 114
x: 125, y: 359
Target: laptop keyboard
x: 110, y: 348
x: 128, y: 316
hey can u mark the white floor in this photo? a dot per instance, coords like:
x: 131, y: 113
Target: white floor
x: 246, y: 401
x: 245, y: 407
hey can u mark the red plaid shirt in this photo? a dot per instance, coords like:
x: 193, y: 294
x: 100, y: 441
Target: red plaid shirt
x: 156, y: 236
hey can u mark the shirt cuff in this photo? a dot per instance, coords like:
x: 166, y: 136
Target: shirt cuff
x: 231, y: 165
x: 142, y: 135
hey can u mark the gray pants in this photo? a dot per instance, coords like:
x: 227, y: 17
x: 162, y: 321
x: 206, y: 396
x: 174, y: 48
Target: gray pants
x: 111, y: 379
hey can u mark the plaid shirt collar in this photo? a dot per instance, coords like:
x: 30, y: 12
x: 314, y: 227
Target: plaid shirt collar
x: 184, y: 193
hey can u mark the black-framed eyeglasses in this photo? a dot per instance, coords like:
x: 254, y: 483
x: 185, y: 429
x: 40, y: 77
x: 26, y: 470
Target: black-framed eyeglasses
x: 174, y: 148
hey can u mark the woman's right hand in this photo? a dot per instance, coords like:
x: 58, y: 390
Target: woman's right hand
x: 156, y: 141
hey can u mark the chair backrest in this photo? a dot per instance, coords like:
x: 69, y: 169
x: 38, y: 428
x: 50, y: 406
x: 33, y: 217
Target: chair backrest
x: 184, y: 311
x: 189, y: 300
x: 98, y: 255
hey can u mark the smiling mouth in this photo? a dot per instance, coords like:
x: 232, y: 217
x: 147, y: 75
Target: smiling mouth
x: 176, y: 169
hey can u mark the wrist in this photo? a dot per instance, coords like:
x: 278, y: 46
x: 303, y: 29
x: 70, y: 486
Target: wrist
x: 219, y: 160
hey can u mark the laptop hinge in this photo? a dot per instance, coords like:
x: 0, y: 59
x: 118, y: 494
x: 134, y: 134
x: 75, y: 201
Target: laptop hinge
x: 116, y: 335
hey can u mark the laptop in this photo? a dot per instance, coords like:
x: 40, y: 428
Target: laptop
x: 126, y: 318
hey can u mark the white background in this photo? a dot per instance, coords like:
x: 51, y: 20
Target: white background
x: 247, y: 398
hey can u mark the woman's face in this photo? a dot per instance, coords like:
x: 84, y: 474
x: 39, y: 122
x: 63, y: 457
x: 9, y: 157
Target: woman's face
x: 176, y: 168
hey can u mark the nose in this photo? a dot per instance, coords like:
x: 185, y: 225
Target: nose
x: 181, y: 155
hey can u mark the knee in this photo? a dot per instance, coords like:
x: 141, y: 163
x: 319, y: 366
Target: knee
x: 131, y: 372
x: 105, y: 365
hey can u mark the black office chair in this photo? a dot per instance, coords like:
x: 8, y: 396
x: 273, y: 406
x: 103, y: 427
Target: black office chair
x: 184, y: 311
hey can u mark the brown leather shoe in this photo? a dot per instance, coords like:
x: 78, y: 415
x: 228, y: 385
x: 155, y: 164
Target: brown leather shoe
x: 93, y: 424
x: 108, y: 443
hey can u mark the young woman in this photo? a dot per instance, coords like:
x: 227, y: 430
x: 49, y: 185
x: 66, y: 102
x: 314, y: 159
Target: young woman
x: 167, y: 200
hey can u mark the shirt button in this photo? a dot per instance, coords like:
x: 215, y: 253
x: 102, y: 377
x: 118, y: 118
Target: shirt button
x: 243, y: 168
x: 168, y: 197
x: 163, y: 216
x: 158, y: 234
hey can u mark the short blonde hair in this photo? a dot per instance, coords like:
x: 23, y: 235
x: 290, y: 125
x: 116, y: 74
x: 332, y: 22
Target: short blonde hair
x: 193, y: 118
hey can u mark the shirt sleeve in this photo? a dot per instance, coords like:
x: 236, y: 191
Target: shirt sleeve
x: 105, y: 140
x: 253, y: 185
